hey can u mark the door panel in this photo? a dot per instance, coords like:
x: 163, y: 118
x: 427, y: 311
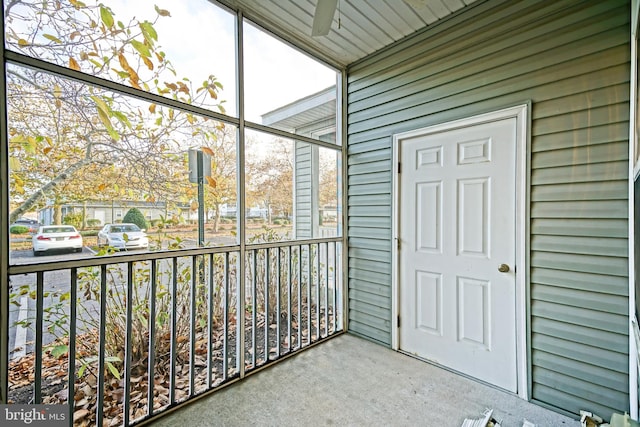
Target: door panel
x: 457, y: 226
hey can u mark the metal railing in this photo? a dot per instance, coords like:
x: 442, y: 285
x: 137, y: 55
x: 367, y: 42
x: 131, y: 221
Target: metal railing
x: 127, y: 337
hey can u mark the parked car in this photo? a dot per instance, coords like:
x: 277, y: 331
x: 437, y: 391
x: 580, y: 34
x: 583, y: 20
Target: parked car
x: 123, y: 236
x: 56, y: 237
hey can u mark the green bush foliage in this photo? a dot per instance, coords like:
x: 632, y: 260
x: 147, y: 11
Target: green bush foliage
x: 19, y: 229
x: 134, y: 216
x: 93, y: 222
x: 74, y: 219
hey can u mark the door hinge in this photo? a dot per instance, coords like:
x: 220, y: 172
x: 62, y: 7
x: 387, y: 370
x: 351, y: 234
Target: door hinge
x: 398, y: 240
x: 399, y: 167
x: 398, y: 321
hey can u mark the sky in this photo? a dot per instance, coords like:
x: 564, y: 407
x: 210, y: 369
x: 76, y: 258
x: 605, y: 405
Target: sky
x: 199, y: 39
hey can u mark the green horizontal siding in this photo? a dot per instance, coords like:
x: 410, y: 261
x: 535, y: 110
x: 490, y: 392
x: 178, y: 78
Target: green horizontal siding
x: 570, y: 59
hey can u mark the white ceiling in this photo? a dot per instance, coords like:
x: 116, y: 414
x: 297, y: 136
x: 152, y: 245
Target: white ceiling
x: 359, y: 28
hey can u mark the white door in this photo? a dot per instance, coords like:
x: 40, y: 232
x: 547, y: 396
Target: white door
x: 457, y: 237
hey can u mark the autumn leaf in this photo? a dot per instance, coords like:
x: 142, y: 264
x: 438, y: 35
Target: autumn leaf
x: 23, y: 42
x: 46, y: 150
x: 152, y: 108
x: 52, y: 38
x: 123, y: 61
x: 73, y: 64
x: 212, y: 182
x: 147, y: 62
x: 162, y: 12
x: 208, y: 151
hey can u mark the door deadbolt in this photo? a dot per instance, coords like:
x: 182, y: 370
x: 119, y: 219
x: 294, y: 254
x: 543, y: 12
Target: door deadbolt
x: 504, y: 268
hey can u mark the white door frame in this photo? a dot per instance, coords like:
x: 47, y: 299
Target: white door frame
x: 521, y: 114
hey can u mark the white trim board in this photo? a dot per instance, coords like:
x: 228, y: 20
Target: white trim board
x: 521, y: 113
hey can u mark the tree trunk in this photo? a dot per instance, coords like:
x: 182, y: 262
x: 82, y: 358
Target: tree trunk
x: 84, y: 215
x: 216, y: 218
x: 57, y: 214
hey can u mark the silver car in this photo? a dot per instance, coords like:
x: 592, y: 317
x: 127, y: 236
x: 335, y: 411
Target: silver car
x: 56, y: 237
x: 123, y: 236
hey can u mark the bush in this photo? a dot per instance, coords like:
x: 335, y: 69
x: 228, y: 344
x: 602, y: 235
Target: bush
x: 19, y: 229
x: 134, y: 216
x: 74, y: 219
x: 93, y: 222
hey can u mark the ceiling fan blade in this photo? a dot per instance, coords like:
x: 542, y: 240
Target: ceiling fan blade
x: 323, y: 17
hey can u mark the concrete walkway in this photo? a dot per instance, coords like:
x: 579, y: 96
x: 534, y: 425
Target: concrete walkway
x: 351, y: 381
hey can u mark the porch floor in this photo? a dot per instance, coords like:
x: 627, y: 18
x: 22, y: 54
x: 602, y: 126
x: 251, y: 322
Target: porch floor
x: 351, y: 381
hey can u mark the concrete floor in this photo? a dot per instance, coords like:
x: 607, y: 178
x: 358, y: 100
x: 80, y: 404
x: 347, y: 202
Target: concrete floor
x: 350, y: 381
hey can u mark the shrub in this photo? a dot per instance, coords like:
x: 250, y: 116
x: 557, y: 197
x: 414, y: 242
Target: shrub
x: 93, y: 222
x: 134, y: 216
x: 74, y: 219
x: 19, y: 229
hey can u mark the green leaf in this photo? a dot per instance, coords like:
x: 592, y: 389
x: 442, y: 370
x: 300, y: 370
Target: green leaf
x: 149, y: 32
x: 106, y: 16
x: 122, y: 118
x: 59, y: 350
x: 113, y: 370
x: 81, y: 370
x: 141, y: 48
x: 113, y: 134
x: 52, y: 38
x: 102, y: 106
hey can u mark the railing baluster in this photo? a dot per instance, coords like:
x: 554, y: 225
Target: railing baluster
x: 192, y: 325
x: 210, y: 302
x: 309, y: 284
x: 299, y: 296
x: 71, y: 364
x: 129, y: 346
x: 254, y: 305
x: 37, y: 387
x: 174, y: 332
x: 225, y: 345
x: 326, y: 289
x: 101, y: 351
x: 278, y: 284
x: 152, y: 338
x: 318, y: 303
x: 335, y: 286
x: 267, y: 281
x: 289, y: 286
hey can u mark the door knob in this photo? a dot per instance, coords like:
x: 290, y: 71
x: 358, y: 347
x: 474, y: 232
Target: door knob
x: 504, y: 268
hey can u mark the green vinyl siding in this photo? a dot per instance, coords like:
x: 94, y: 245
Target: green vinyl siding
x: 570, y: 60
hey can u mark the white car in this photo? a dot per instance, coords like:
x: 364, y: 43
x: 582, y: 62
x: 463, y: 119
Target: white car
x: 56, y: 237
x: 123, y: 236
